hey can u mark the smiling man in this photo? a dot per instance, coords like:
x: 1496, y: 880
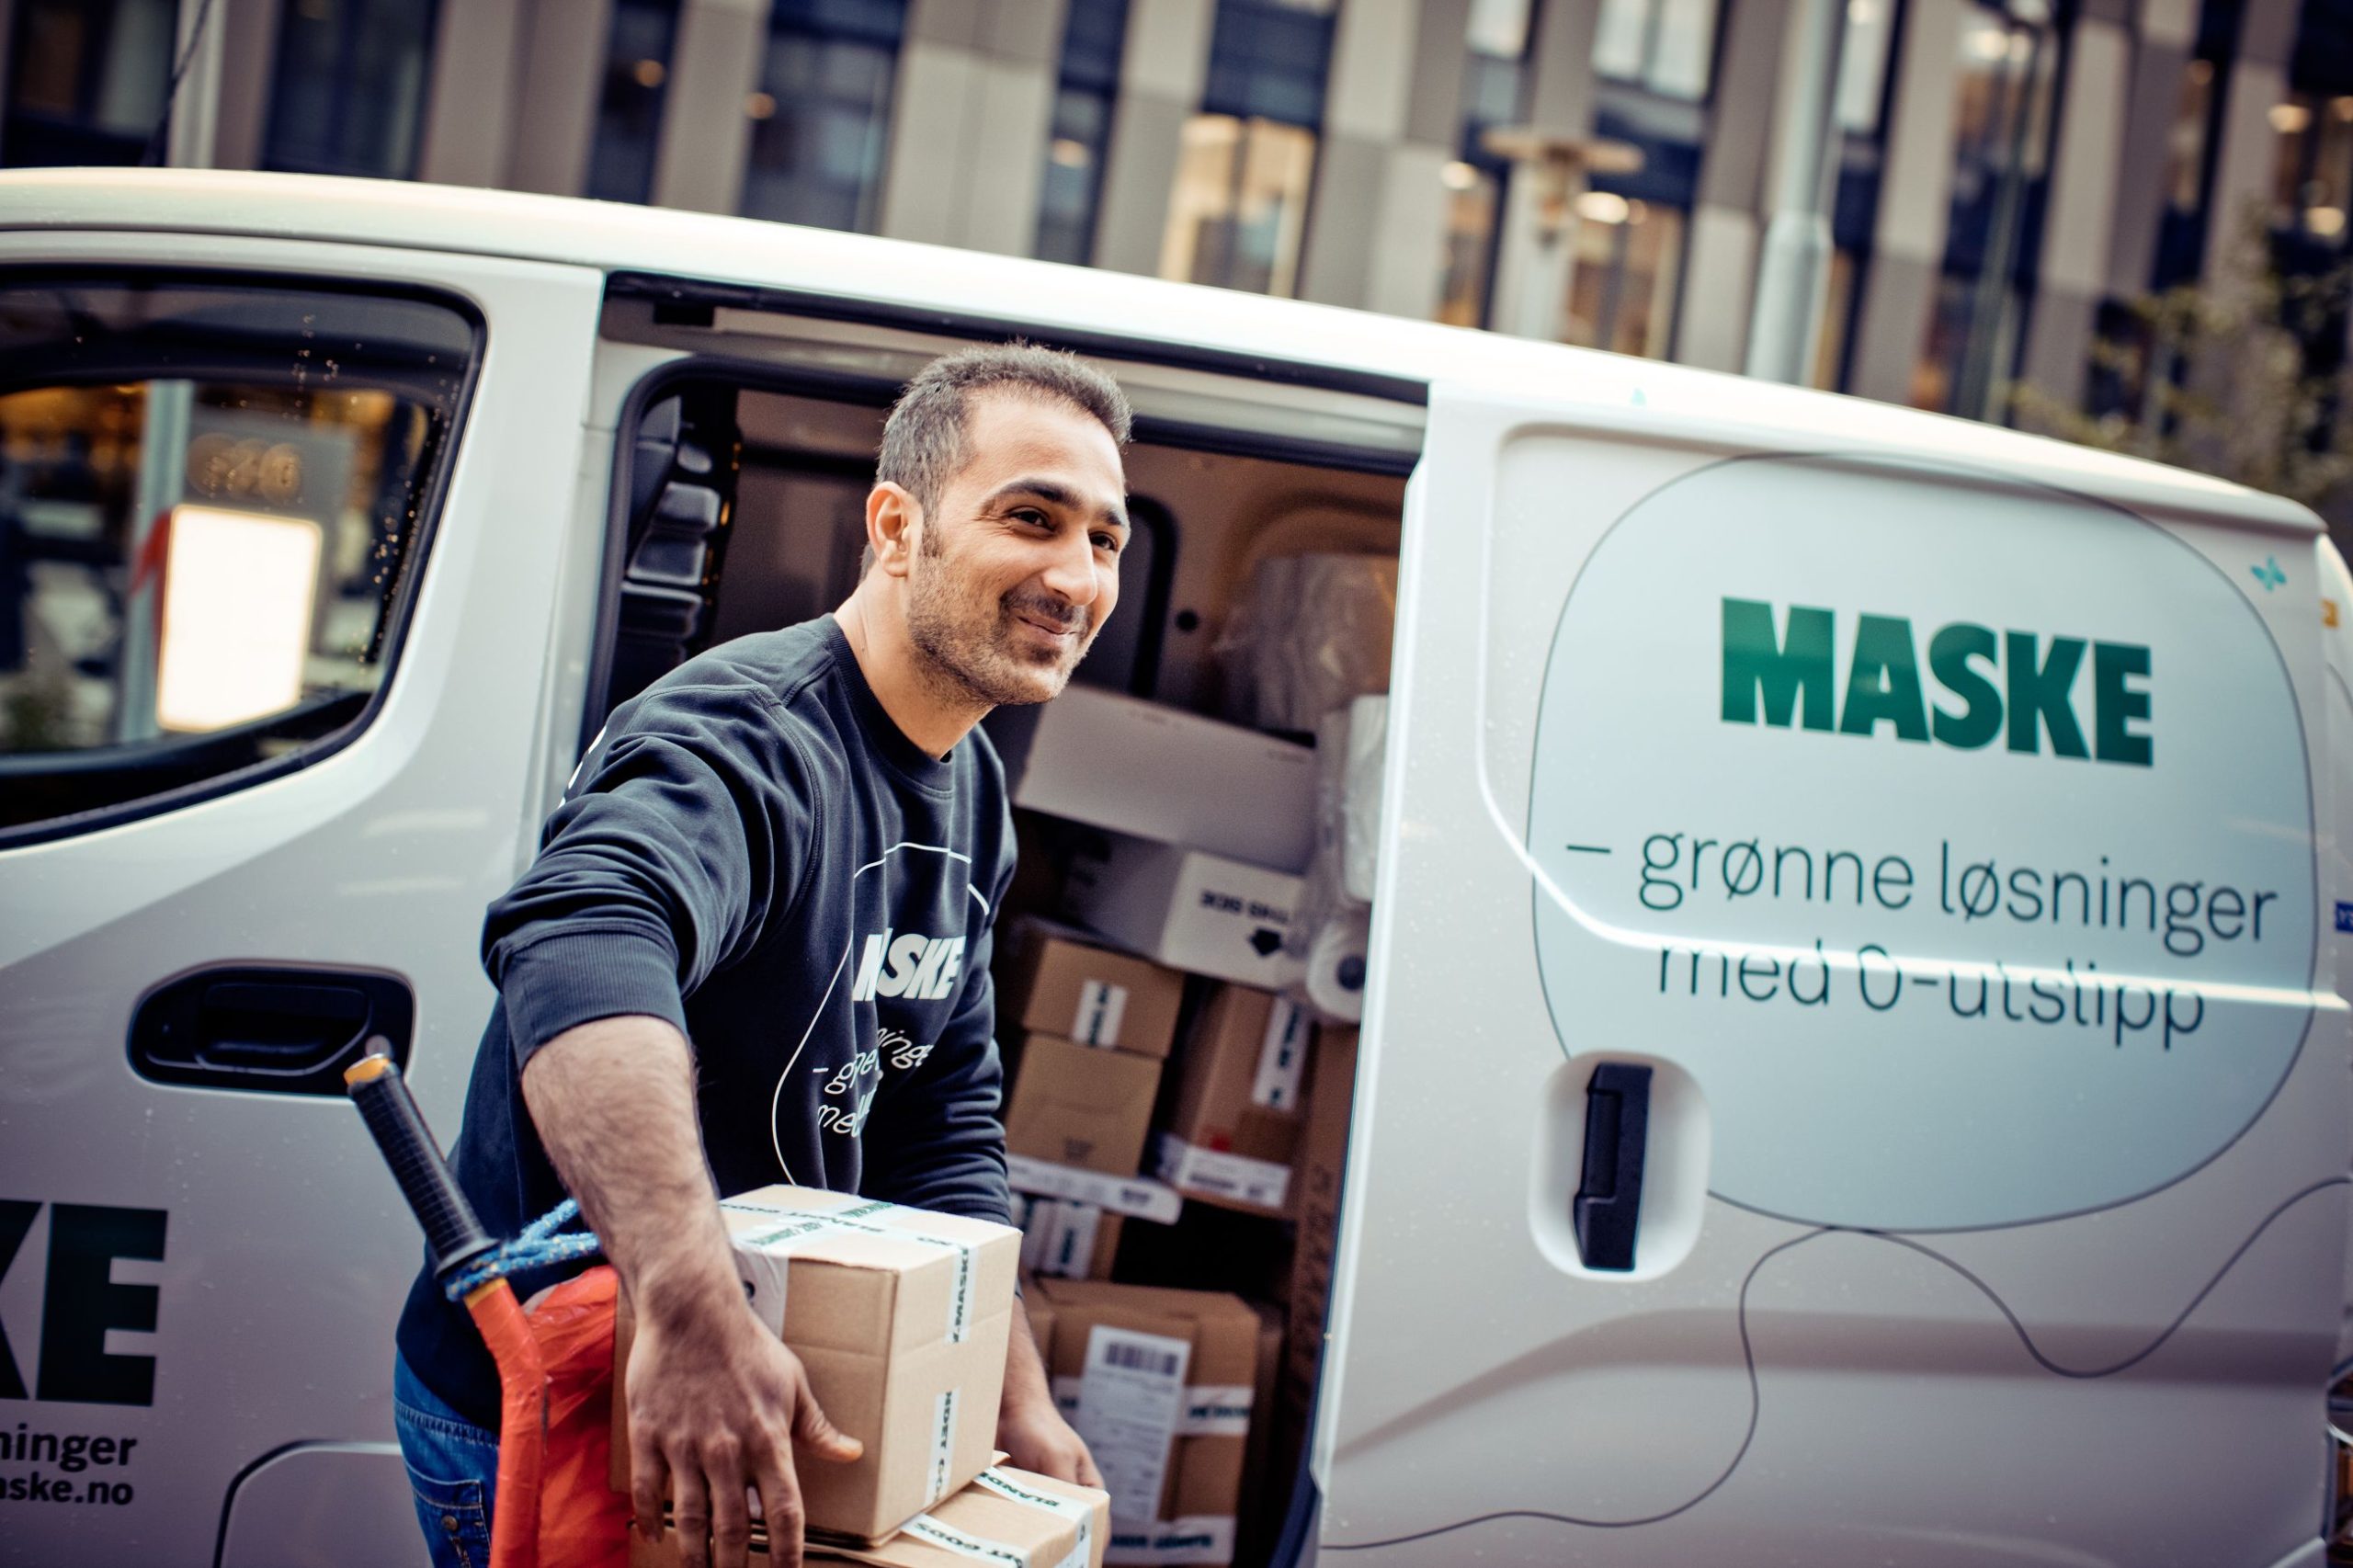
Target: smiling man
x: 753, y: 948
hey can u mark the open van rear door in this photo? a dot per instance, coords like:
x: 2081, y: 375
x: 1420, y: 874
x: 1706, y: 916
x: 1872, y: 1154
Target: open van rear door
x: 1852, y: 1072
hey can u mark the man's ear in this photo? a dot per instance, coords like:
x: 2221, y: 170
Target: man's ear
x: 893, y: 523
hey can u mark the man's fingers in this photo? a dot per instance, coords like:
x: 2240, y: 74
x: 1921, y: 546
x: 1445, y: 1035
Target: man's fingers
x: 780, y: 1510
x: 647, y: 1474
x: 731, y: 1520
x: 693, y: 1516
x: 824, y: 1441
x: 1087, y: 1474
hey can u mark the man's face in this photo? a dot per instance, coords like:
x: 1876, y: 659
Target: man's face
x: 1019, y: 562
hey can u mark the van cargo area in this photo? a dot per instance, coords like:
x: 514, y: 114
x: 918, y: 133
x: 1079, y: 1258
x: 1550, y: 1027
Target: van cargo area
x: 1177, y: 1091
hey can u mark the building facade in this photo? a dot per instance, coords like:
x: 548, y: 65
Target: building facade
x: 2009, y: 174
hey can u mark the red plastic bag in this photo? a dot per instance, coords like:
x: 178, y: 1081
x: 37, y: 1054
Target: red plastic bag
x: 584, y: 1523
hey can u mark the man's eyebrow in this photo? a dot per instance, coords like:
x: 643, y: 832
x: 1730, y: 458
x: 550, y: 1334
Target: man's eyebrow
x: 1054, y: 493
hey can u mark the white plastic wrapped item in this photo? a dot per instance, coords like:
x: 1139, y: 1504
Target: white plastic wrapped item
x: 1335, y: 966
x: 1312, y: 632
x: 1363, y: 762
x: 1329, y: 936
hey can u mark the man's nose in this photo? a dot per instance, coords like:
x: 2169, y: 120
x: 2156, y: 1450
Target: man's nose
x: 1070, y: 574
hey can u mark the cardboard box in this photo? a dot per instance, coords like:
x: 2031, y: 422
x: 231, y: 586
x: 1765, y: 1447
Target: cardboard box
x: 1119, y: 762
x: 1136, y: 1196
x: 1235, y: 1125
x: 1188, y: 908
x: 901, y: 1318
x: 1161, y: 1383
x: 1008, y: 1516
x: 1323, y: 1155
x: 1080, y: 1104
x: 1064, y: 985
x: 1069, y: 1240
x: 1267, y: 1473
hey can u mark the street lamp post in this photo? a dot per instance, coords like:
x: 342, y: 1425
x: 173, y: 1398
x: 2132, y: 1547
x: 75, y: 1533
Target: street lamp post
x: 1794, y: 275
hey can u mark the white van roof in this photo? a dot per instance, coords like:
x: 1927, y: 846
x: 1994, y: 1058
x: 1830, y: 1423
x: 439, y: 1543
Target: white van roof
x: 618, y: 237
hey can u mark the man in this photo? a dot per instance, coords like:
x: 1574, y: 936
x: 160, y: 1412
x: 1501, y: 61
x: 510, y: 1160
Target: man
x: 684, y: 995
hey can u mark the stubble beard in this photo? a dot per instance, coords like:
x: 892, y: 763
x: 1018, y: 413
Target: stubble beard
x: 965, y: 646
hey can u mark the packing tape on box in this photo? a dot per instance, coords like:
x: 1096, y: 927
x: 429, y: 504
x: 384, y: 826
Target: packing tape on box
x: 1283, y: 1057
x: 1071, y: 1509
x: 943, y: 1445
x: 1101, y: 1006
x: 1210, y: 1409
x: 900, y: 1222
x: 1191, y: 1167
x: 1131, y: 1195
x: 923, y: 1527
x: 1202, y: 1539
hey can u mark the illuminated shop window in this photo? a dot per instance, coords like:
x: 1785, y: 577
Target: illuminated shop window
x: 1080, y: 139
x: 821, y: 117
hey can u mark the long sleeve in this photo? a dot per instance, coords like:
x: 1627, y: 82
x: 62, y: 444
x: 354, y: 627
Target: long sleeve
x: 688, y: 823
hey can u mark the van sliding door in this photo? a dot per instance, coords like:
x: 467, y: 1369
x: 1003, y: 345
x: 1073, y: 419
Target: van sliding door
x: 1853, y: 1072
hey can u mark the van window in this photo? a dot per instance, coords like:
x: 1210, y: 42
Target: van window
x: 212, y: 498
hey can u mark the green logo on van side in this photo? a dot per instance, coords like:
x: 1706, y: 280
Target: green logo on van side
x: 2015, y: 686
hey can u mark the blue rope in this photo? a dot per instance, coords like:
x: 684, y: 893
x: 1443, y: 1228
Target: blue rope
x: 538, y: 1247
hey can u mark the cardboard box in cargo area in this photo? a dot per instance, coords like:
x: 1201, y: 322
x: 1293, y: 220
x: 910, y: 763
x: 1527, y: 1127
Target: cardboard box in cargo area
x: 1081, y: 1105
x: 1119, y: 762
x: 1068, y: 1239
x: 1065, y: 986
x: 901, y: 1318
x: 1323, y: 1155
x: 1186, y: 908
x: 1235, y: 1126
x: 1010, y: 1518
x: 1161, y: 1384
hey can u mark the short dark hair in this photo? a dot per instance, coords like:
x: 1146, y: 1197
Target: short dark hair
x: 923, y: 443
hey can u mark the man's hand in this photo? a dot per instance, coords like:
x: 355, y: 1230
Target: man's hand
x: 1028, y: 1428
x: 715, y: 1404
x: 1035, y: 1436
x: 715, y: 1400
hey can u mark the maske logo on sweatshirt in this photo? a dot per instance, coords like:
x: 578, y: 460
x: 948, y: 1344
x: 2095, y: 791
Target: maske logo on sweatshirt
x: 910, y: 965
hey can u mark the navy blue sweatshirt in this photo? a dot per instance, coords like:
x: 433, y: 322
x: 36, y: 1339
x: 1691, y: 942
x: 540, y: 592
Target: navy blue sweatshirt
x: 753, y: 850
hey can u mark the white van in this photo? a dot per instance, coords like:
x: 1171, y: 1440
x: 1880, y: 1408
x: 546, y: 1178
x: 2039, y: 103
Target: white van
x: 1947, y: 819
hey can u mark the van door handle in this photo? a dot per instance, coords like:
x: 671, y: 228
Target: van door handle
x: 1609, y: 1193
x: 269, y: 1028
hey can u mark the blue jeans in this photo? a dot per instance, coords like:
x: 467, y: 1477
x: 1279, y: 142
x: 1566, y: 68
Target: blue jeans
x: 453, y: 1468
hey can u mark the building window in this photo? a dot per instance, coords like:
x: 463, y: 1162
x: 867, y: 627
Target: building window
x: 1666, y: 45
x: 1247, y: 160
x: 1623, y: 287
x: 85, y: 80
x: 1862, y: 65
x: 1240, y: 204
x: 629, y: 109
x: 1495, y: 81
x: 822, y: 115
x: 2001, y: 140
x: 2189, y: 163
x: 350, y: 97
x: 1092, y: 36
x: 2313, y: 184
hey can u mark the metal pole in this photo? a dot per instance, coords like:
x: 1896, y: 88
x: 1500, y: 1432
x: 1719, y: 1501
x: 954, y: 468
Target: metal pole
x: 195, y: 106
x: 1793, y: 275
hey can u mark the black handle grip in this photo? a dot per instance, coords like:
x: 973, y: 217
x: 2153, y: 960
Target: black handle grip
x: 456, y: 1237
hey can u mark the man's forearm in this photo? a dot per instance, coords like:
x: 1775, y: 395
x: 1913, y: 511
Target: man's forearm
x: 1025, y: 1374
x: 615, y: 1106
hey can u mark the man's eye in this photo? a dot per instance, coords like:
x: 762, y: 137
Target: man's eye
x: 1107, y: 542
x: 1030, y: 514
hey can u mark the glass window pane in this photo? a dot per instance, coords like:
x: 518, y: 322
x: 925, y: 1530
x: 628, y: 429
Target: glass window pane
x: 1862, y: 65
x: 1627, y: 273
x: 1498, y: 28
x: 628, y: 108
x: 1621, y: 37
x: 1080, y: 138
x: 1269, y: 60
x: 1468, y: 259
x: 1685, y: 49
x: 821, y: 117
x: 1239, y: 205
x: 350, y: 97
x: 198, y: 569
x: 85, y: 80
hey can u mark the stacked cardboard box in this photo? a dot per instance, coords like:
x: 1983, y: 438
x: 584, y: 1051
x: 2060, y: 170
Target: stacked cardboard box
x: 1161, y: 1383
x: 1235, y: 1128
x: 1331, y: 1093
x: 1067, y: 1238
x: 901, y: 1318
x: 1100, y: 1027
x: 1190, y: 909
